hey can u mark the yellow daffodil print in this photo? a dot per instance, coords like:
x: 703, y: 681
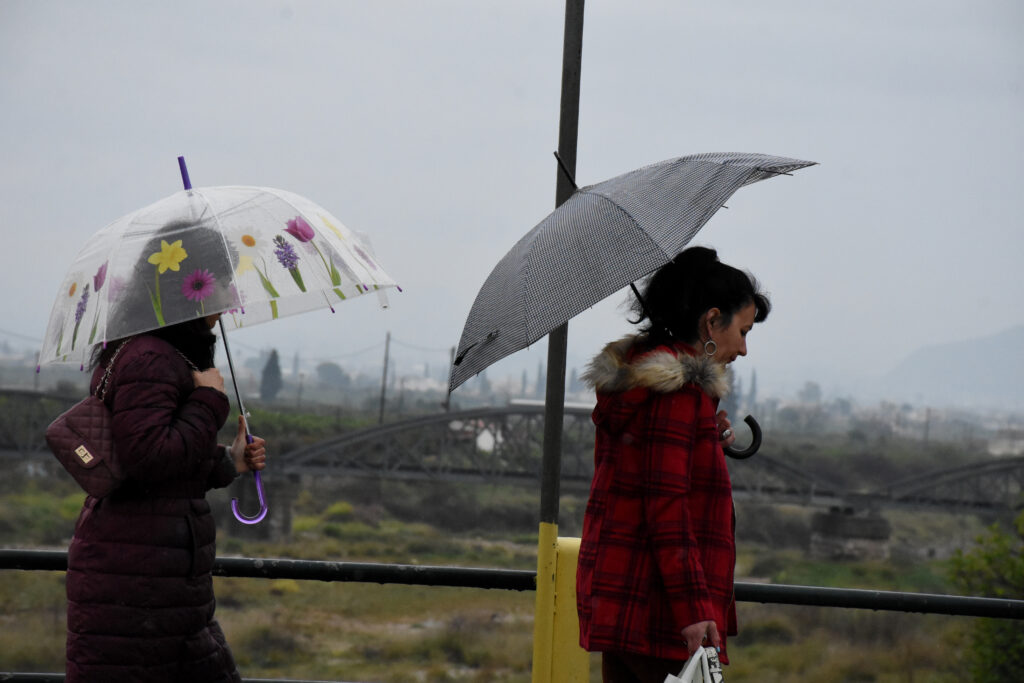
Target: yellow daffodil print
x: 169, y: 257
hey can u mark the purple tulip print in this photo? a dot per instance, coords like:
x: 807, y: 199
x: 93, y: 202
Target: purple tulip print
x: 98, y: 280
x: 100, y: 277
x: 300, y: 229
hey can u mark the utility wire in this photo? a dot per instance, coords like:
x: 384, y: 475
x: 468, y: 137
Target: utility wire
x: 419, y: 348
x: 21, y: 336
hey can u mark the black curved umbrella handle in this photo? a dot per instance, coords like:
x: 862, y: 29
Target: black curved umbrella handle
x: 755, y: 430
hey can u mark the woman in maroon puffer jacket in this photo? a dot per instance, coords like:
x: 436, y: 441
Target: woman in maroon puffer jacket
x: 139, y: 587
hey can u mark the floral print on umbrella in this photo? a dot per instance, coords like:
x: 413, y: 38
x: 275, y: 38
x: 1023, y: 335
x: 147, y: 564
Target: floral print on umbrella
x: 98, y: 280
x: 301, y: 230
x: 169, y: 257
x: 289, y: 260
x: 198, y: 287
x: 79, y: 312
x: 248, y: 242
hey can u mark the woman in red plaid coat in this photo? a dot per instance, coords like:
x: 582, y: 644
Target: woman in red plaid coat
x: 655, y: 574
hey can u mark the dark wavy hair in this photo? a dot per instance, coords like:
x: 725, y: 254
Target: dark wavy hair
x: 681, y: 291
x: 193, y: 338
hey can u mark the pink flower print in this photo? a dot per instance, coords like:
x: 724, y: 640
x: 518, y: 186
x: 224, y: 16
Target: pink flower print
x: 99, y: 278
x: 198, y: 286
x: 300, y: 229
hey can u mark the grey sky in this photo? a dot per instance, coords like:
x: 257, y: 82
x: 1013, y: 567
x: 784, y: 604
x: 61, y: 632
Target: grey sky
x: 430, y: 127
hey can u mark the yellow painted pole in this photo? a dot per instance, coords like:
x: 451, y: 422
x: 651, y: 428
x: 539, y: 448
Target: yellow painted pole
x: 570, y: 663
x: 557, y: 655
x: 544, y: 611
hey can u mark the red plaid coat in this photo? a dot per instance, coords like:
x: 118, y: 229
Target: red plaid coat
x: 658, y: 546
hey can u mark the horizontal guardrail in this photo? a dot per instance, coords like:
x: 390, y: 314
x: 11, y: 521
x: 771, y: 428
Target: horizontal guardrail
x: 521, y: 580
x: 15, y: 677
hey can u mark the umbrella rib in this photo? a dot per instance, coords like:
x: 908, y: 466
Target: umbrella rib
x: 633, y: 220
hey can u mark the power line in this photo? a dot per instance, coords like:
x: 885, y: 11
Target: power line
x: 21, y: 336
x: 419, y: 348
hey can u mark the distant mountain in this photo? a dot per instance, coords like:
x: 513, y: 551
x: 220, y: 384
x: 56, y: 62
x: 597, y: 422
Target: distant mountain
x: 985, y: 372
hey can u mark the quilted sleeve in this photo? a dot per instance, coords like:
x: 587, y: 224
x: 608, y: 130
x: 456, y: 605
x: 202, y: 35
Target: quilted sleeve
x: 162, y: 428
x: 223, y: 472
x: 670, y: 448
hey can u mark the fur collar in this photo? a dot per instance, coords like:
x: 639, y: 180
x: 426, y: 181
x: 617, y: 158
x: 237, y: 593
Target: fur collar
x: 663, y: 371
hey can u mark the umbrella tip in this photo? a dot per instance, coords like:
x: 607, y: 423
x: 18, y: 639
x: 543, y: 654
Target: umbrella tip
x: 184, y: 173
x: 565, y: 170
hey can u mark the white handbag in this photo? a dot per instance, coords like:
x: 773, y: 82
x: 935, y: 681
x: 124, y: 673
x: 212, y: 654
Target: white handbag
x: 702, y: 667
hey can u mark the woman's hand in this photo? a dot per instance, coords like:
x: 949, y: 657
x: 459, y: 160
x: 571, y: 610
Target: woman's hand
x: 702, y: 634
x: 209, y: 378
x: 725, y: 435
x: 248, y: 456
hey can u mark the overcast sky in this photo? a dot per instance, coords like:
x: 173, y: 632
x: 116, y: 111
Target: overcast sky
x: 430, y: 127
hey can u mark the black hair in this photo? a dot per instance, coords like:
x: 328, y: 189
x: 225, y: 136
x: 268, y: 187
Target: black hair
x: 186, y: 328
x: 193, y: 338
x: 687, y: 287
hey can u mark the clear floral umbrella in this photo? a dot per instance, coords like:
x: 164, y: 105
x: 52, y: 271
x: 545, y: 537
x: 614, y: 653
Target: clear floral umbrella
x: 254, y: 254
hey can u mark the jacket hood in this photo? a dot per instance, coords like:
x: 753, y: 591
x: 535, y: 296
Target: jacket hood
x: 623, y: 374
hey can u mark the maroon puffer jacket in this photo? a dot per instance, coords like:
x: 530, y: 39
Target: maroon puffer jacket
x: 139, y: 588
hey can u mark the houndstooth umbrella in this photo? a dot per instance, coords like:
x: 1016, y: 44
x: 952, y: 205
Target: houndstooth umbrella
x: 604, y: 237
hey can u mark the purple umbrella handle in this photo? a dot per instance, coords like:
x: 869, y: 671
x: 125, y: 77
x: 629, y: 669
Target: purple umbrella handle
x: 259, y: 492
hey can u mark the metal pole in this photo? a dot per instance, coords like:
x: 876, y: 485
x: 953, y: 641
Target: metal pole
x: 568, y: 127
x: 544, y: 632
x: 384, y: 378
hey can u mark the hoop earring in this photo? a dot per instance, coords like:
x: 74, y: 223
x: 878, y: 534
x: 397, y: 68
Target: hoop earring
x: 710, y: 351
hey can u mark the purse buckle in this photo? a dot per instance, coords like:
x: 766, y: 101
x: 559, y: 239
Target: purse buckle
x: 83, y: 453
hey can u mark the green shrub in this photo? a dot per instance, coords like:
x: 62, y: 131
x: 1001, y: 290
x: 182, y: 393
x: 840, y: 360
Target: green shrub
x: 338, y: 512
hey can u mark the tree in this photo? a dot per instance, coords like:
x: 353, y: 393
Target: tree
x: 730, y: 402
x: 271, y: 382
x: 994, y: 568
x: 575, y: 384
x: 752, y: 394
x: 811, y: 393
x: 332, y: 376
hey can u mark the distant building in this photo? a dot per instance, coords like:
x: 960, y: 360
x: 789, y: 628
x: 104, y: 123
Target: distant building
x: 1007, y: 442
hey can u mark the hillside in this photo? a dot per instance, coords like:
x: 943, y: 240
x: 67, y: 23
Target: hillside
x: 984, y: 372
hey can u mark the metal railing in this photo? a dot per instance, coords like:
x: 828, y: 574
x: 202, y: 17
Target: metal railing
x: 523, y: 580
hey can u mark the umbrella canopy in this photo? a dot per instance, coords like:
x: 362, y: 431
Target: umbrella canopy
x: 252, y: 253
x: 602, y: 238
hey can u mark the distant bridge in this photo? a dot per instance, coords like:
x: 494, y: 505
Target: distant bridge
x: 503, y: 445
